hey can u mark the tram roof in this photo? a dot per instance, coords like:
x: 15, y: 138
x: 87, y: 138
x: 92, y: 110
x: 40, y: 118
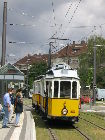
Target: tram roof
x: 62, y: 70
x: 68, y: 73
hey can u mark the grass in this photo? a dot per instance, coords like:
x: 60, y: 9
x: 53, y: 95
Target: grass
x: 67, y: 133
x: 62, y: 131
x: 99, y: 120
x: 94, y: 132
x: 41, y: 130
x: 27, y: 101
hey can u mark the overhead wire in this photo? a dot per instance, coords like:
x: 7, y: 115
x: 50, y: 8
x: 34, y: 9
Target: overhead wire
x: 53, y: 10
x: 72, y: 17
x: 66, y: 16
x: 68, y: 10
x: 21, y: 42
x: 60, y: 27
x: 25, y: 14
x: 61, y: 24
x: 85, y: 37
x: 31, y: 25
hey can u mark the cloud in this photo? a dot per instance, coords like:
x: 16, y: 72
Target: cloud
x: 40, y: 13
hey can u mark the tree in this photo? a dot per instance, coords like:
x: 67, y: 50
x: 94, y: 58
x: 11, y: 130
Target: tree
x: 37, y: 69
x: 86, y: 63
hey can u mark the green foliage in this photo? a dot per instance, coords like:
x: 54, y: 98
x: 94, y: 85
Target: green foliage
x: 37, y: 69
x: 87, y: 61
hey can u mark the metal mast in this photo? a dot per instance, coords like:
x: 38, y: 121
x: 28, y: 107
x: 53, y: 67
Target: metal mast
x: 4, y: 34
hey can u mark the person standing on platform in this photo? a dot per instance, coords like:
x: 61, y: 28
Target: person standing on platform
x: 7, y: 105
x: 12, y: 105
x: 18, y: 105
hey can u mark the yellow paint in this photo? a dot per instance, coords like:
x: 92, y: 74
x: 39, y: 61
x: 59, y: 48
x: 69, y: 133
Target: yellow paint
x: 55, y: 107
x: 35, y: 99
x: 41, y: 101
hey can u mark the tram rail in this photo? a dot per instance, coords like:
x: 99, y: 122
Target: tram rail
x: 82, y: 133
x: 52, y: 135
x: 92, y: 115
x: 92, y: 123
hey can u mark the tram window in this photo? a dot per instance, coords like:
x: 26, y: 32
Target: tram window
x: 74, y: 89
x: 50, y: 89
x: 65, y: 89
x: 47, y: 87
x: 38, y: 88
x: 56, y: 87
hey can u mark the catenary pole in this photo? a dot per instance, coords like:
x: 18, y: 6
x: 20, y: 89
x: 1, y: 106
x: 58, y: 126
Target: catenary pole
x: 94, y: 80
x: 4, y: 34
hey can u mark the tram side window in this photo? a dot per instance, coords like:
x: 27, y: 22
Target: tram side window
x: 74, y: 89
x: 65, y: 89
x: 49, y: 88
x: 39, y: 88
x: 46, y: 92
x: 56, y: 87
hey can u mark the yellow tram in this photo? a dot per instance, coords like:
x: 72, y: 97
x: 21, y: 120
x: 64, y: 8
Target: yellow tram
x: 57, y: 94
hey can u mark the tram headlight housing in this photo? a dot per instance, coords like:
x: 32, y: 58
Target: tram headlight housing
x: 64, y: 111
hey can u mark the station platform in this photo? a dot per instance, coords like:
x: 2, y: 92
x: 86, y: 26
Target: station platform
x: 26, y: 130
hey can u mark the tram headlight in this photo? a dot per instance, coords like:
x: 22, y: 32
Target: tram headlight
x: 64, y: 111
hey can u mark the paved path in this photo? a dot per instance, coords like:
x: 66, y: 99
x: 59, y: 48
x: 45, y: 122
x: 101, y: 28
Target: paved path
x: 90, y: 108
x: 26, y: 131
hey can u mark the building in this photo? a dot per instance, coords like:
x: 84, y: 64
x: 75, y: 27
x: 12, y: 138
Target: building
x: 25, y: 63
x: 69, y: 54
x: 10, y: 77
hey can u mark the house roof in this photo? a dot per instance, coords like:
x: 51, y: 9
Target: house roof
x: 71, y: 50
x: 10, y: 72
x: 32, y: 59
x: 10, y: 69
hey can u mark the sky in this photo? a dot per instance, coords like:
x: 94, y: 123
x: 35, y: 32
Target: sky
x: 36, y: 21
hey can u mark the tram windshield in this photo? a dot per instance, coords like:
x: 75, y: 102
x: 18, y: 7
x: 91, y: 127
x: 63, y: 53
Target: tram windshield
x: 65, y: 89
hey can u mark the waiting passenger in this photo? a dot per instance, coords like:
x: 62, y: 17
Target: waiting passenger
x: 18, y: 106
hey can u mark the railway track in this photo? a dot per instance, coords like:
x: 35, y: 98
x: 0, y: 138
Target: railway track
x: 92, y: 123
x: 82, y: 133
x: 52, y: 134
x: 94, y: 116
x: 51, y: 131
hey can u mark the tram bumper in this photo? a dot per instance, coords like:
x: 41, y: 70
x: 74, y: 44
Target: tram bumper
x: 65, y: 118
